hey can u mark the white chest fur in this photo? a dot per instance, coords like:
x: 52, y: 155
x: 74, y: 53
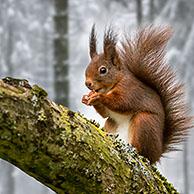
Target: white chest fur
x: 123, y: 123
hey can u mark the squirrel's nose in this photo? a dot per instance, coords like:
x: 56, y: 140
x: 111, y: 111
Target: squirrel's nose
x: 89, y: 84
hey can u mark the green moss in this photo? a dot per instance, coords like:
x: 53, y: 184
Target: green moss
x: 5, y: 120
x: 67, y: 152
x: 5, y: 135
x: 39, y: 92
x: 41, y: 115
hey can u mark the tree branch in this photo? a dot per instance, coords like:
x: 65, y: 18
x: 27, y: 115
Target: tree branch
x: 65, y: 151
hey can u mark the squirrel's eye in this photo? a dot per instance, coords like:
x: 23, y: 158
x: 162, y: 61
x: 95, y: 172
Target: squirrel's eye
x: 103, y: 70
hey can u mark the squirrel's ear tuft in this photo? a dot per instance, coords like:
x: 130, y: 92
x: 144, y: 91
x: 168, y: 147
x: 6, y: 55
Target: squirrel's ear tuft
x: 110, y: 41
x: 93, y: 51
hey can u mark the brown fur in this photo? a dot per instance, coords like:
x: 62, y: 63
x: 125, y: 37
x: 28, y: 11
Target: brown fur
x: 139, y: 84
x: 93, y: 51
x: 145, y: 58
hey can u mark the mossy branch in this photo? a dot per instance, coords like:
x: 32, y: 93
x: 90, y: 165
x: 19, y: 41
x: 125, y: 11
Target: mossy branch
x: 65, y: 151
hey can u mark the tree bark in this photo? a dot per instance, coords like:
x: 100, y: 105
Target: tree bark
x: 65, y: 151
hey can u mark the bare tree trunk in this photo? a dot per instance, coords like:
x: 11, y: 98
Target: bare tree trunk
x: 61, y: 52
x: 65, y: 151
x: 139, y: 12
x: 8, y: 182
x: 160, y: 5
x: 9, y: 47
x: 151, y: 10
x: 185, y: 168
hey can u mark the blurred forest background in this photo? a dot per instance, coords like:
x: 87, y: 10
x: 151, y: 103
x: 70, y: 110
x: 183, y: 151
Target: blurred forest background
x: 46, y: 42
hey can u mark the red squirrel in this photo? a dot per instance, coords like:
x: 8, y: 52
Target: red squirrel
x: 136, y: 90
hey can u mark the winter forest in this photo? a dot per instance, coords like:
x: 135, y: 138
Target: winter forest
x: 46, y: 42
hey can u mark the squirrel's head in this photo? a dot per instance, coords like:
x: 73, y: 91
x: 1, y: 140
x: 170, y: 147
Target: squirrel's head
x: 104, y: 70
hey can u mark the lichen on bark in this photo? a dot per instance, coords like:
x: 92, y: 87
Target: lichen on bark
x: 67, y: 152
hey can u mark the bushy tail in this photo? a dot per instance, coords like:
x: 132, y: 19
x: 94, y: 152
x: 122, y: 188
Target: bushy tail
x: 145, y: 57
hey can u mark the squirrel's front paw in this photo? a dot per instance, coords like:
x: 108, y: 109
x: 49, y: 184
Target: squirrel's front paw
x: 94, y: 98
x: 85, y: 99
